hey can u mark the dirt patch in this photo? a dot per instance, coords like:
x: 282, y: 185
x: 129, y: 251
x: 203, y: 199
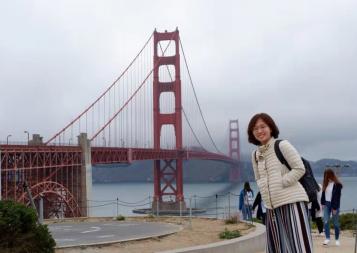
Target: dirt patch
x: 199, y: 231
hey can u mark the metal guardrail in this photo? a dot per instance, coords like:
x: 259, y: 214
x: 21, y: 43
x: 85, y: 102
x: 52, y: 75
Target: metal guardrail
x: 220, y: 206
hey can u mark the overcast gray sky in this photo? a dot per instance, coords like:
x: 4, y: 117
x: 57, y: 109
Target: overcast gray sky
x: 296, y: 60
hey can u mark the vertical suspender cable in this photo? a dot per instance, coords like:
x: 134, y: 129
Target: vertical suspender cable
x: 198, y: 104
x: 78, y: 118
x: 110, y: 105
x: 116, y: 120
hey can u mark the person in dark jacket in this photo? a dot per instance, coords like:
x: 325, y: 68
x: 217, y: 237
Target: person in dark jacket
x: 261, y: 211
x: 330, y: 202
x: 316, y: 211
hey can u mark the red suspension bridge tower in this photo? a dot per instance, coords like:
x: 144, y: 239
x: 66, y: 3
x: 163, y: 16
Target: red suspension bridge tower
x: 168, y: 179
x: 234, y: 149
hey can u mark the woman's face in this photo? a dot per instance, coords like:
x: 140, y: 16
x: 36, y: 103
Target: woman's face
x: 262, y: 132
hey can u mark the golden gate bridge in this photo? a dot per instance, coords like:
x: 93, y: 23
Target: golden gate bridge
x: 150, y: 112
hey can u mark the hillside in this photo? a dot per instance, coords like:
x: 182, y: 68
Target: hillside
x: 201, y: 171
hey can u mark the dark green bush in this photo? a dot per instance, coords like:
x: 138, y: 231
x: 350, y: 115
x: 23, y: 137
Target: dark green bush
x: 227, y: 234
x: 231, y: 220
x: 19, y: 231
x: 348, y: 221
x: 151, y: 216
x: 120, y: 218
x: 257, y: 220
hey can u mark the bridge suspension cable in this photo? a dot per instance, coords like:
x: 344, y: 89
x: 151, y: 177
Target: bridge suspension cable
x: 196, y: 99
x: 183, y: 110
x: 124, y: 112
x: 130, y: 98
x: 97, y: 103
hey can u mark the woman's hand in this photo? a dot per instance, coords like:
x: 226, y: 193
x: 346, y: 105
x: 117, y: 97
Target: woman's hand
x: 334, y: 211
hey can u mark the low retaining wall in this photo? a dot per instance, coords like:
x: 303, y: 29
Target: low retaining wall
x: 250, y: 243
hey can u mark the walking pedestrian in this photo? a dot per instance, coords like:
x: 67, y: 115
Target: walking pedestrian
x: 261, y: 208
x: 316, y: 212
x: 330, y: 202
x: 287, y: 223
x: 246, y: 198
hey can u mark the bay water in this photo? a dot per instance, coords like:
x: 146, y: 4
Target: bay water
x: 218, y: 199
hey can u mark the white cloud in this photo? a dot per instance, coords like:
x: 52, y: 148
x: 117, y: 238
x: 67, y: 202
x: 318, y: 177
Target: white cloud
x: 294, y: 60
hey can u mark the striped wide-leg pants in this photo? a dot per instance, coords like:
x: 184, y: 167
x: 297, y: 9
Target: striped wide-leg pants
x: 288, y: 229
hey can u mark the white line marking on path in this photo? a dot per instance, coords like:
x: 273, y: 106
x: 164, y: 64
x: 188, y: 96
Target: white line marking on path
x: 105, y: 236
x: 120, y: 225
x: 60, y: 227
x: 126, y: 225
x: 65, y: 240
x: 95, y: 229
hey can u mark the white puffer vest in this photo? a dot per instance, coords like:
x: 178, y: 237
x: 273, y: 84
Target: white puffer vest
x: 277, y: 184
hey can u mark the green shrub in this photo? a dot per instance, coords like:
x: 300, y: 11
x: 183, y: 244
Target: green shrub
x: 313, y: 225
x: 257, y: 220
x: 20, y: 232
x: 348, y: 221
x: 227, y: 234
x: 231, y: 220
x: 120, y: 218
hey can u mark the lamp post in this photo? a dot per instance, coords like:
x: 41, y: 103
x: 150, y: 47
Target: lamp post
x: 28, y: 137
x: 7, y: 139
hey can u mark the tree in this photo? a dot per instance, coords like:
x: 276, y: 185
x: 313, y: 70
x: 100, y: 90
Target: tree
x: 20, y: 232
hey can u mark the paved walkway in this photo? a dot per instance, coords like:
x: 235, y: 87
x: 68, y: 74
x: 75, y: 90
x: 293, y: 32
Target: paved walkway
x: 88, y: 233
x: 347, y: 245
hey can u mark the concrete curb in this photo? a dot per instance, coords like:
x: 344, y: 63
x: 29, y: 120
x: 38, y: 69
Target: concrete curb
x: 250, y: 243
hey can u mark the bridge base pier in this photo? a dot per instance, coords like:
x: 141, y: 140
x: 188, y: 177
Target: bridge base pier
x: 86, y: 174
x: 164, y: 206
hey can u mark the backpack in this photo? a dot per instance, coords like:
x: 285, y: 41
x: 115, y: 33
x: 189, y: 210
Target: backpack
x: 248, y: 198
x: 308, y: 180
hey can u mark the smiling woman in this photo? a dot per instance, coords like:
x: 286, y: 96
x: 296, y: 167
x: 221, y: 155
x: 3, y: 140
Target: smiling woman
x: 287, y: 224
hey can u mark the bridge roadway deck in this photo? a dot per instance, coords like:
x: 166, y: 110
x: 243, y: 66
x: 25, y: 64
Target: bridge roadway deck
x: 68, y: 234
x: 24, y: 156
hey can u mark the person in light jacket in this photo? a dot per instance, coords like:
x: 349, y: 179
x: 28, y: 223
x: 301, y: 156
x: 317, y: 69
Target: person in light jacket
x: 287, y: 222
x: 330, y: 202
x: 246, y: 198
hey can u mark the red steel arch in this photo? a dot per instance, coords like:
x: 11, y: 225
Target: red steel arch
x: 50, y: 189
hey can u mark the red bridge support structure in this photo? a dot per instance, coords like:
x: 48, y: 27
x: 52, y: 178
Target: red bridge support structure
x: 168, y: 179
x: 234, y: 150
x: 52, y: 173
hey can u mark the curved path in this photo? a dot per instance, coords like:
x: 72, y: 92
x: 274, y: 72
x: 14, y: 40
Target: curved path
x: 94, y: 233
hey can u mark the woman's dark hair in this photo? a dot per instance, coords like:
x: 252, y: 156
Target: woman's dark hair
x: 329, y: 174
x: 247, y: 187
x: 268, y: 120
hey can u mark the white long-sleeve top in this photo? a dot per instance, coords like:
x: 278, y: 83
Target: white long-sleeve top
x: 328, y: 191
